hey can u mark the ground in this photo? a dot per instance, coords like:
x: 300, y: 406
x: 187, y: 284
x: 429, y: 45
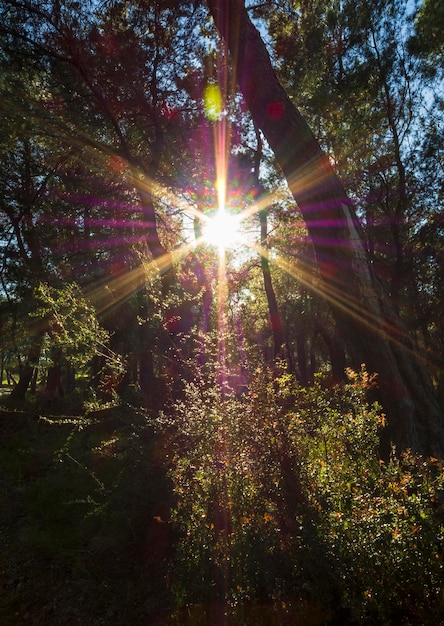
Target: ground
x: 68, y: 553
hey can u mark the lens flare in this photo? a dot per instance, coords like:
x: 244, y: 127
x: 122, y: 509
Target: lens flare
x: 222, y: 230
x: 213, y: 102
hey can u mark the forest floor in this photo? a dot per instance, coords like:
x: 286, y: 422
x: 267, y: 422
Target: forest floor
x: 81, y: 539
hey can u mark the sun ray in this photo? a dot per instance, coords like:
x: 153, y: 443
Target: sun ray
x: 339, y: 297
x: 111, y: 293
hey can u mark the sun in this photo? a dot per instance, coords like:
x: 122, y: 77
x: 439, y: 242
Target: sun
x: 222, y: 230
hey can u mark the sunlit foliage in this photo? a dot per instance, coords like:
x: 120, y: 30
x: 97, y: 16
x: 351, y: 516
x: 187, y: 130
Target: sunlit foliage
x: 281, y: 494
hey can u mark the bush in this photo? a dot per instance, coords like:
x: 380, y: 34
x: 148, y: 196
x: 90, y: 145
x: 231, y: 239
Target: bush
x: 281, y: 497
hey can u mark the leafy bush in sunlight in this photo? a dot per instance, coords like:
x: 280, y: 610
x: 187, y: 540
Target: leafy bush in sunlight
x: 281, y: 495
x: 228, y: 536
x: 382, y: 523
x: 71, y: 321
x: 74, y: 337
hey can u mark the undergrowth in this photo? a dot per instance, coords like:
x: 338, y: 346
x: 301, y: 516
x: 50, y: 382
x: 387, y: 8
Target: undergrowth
x: 79, y: 534
x: 268, y: 507
x: 283, y: 502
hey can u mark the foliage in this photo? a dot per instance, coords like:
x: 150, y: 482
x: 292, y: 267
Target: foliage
x: 281, y: 495
x: 71, y: 323
x: 429, y: 38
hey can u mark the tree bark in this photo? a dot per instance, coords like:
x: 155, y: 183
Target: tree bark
x: 32, y: 361
x: 372, y: 332
x: 273, y: 309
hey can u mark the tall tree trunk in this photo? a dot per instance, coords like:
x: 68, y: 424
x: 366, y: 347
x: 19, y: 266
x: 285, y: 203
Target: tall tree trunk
x: 27, y: 371
x: 54, y: 386
x: 365, y: 318
x: 161, y: 256
x: 335, y: 348
x: 398, y: 219
x: 273, y: 309
x: 301, y: 352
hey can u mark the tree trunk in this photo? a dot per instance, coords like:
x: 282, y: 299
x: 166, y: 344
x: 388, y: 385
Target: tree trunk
x: 27, y: 371
x: 273, y: 309
x: 371, y: 331
x: 54, y: 386
x: 335, y: 348
x: 161, y: 257
x: 301, y: 352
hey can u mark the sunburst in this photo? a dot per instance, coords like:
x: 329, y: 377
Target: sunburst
x: 222, y: 230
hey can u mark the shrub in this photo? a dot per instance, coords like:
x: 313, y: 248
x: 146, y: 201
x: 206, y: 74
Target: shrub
x: 281, y: 495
